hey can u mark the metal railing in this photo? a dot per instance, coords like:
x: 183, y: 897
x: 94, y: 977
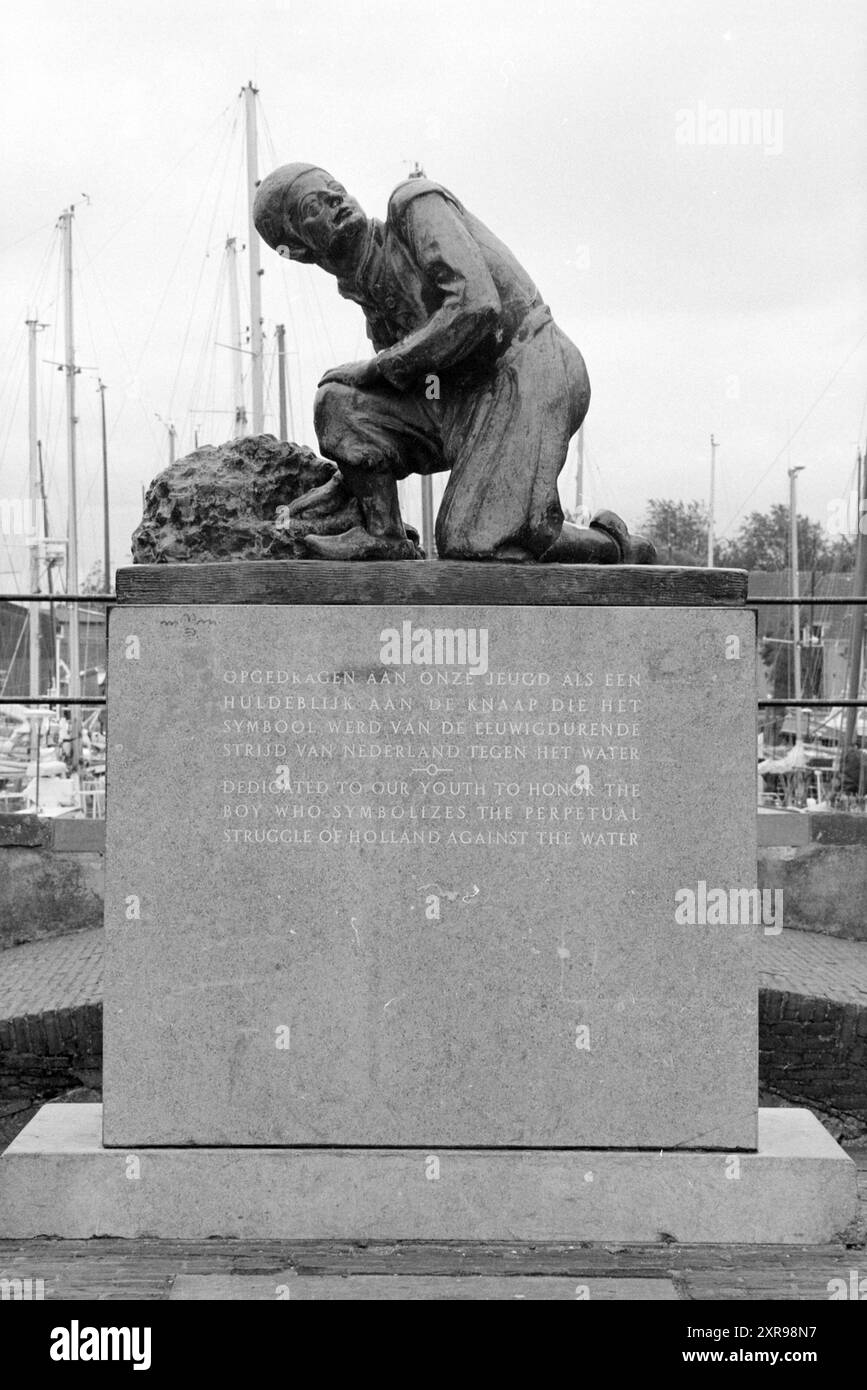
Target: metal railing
x: 60, y: 600
x: 781, y: 600
x: 808, y: 601
x: 88, y: 788
x: 777, y: 600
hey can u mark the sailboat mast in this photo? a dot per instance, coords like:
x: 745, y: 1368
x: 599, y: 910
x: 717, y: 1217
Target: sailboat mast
x: 34, y: 529
x: 579, y: 477
x: 856, y: 643
x: 257, y: 373
x: 235, y: 338
x: 796, y: 594
x: 34, y: 513
x: 285, y: 398
x: 46, y: 532
x: 70, y: 368
x: 712, y: 502
x: 106, y: 545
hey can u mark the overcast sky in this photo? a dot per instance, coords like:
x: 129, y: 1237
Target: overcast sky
x: 709, y: 265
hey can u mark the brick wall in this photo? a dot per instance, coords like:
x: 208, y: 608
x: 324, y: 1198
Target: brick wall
x: 814, y: 1051
x: 42, y: 1055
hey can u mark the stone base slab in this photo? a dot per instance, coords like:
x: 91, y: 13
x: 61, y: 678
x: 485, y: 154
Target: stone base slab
x: 57, y: 1179
x: 378, y: 1288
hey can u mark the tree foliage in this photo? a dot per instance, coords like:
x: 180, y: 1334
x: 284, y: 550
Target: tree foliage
x: 762, y: 542
x: 94, y: 581
x: 678, y: 530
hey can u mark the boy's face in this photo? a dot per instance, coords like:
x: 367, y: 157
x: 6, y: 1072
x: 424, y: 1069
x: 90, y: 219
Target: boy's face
x: 325, y: 216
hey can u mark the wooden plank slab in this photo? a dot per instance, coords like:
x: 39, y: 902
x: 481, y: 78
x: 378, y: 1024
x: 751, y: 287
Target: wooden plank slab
x: 434, y: 581
x: 154, y: 1269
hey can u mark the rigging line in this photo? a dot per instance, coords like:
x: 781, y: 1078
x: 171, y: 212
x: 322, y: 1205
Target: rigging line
x: 848, y: 489
x: 47, y: 397
x: 206, y: 343
x: 209, y: 393
x: 82, y: 300
x: 209, y: 390
x: 829, y: 383
x: 861, y: 422
x: 46, y: 405
x: 11, y: 667
x: 95, y: 472
x: 226, y: 138
x: 51, y: 249
x: 109, y: 315
x: 269, y: 385
x: 165, y: 177
x: 186, y: 338
x: 22, y: 370
x: 51, y: 417
x: 10, y: 379
x: 291, y: 277
x: 242, y: 156
x: 14, y: 570
x: 207, y: 351
x: 26, y: 237
x: 318, y: 304
x: 57, y: 301
x: 290, y: 319
x: 201, y: 360
x: 322, y: 356
x: 35, y: 285
x: 206, y: 256
x: 89, y: 518
x: 722, y: 492
x: 590, y: 457
x: 267, y: 127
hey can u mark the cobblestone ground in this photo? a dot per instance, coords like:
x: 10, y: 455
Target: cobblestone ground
x: 822, y: 967
x: 54, y: 974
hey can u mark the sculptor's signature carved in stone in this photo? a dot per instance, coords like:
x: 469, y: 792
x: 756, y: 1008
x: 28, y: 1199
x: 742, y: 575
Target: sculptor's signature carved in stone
x: 190, y: 624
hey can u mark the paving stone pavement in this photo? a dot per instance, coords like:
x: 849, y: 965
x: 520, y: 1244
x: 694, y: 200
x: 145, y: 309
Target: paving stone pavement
x: 58, y: 973
x: 812, y: 964
x: 67, y: 970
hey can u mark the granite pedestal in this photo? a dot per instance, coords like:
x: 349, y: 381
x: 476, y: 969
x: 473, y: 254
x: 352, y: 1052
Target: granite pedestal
x: 457, y: 877
x: 360, y: 901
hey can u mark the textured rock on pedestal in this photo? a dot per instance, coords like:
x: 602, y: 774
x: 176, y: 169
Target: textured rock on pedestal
x: 220, y: 502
